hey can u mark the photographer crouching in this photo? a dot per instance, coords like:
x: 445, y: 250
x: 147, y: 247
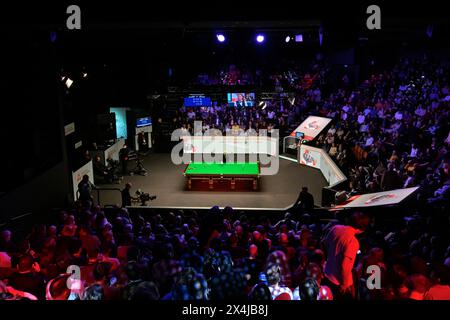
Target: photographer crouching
x: 127, y: 198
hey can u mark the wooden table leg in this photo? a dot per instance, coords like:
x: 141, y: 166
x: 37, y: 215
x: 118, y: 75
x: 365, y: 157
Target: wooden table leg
x: 255, y: 184
x: 189, y: 184
x: 233, y: 184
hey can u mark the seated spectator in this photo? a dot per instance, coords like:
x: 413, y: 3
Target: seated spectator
x: 28, y: 278
x: 418, y: 285
x: 274, y: 279
x: 6, y: 244
x: 190, y: 286
x: 9, y: 293
x: 70, y: 227
x: 440, y: 289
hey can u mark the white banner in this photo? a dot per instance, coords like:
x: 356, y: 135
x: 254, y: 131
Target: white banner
x: 311, y: 127
x: 378, y: 198
x: 113, y: 151
x: 69, y: 129
x: 230, y: 145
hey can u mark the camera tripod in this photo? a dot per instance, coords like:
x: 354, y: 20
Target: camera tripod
x: 139, y: 169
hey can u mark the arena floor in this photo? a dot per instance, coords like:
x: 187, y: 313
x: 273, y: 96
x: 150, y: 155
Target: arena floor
x: 166, y: 181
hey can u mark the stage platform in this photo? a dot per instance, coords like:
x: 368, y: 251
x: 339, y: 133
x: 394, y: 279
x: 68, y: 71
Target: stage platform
x: 167, y: 182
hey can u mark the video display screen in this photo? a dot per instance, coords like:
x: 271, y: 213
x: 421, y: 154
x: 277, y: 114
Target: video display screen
x: 143, y: 122
x: 241, y: 99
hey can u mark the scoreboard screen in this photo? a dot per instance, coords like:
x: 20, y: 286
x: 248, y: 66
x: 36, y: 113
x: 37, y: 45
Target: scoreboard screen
x: 197, y: 101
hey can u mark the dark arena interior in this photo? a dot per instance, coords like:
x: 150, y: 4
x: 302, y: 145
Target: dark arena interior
x: 201, y: 153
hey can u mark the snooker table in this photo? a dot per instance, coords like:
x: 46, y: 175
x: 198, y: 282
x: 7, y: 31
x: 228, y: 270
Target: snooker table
x: 236, y: 176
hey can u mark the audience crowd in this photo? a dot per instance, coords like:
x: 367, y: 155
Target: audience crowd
x: 225, y: 254
x: 391, y: 132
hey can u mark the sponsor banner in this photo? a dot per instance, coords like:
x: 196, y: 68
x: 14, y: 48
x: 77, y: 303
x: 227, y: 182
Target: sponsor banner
x: 69, y: 129
x: 310, y: 157
x: 378, y: 198
x: 311, y: 127
x: 230, y: 145
x: 319, y: 159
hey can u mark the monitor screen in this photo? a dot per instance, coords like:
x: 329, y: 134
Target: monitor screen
x: 197, y: 101
x: 121, y: 121
x: 241, y: 99
x: 299, y: 135
x: 143, y: 122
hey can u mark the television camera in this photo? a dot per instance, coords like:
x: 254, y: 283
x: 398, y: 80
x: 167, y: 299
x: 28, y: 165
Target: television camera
x: 139, y: 168
x: 144, y: 197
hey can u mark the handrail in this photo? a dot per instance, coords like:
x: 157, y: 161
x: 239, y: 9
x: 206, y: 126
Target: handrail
x: 105, y: 189
x: 97, y: 189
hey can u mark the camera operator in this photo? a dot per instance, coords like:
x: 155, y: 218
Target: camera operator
x: 85, y: 189
x: 101, y: 171
x: 126, y: 196
x: 123, y: 156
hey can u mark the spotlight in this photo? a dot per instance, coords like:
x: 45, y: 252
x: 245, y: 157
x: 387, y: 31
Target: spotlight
x: 68, y: 82
x: 299, y: 38
x: 288, y: 38
x: 220, y: 37
x: 260, y: 38
x: 84, y: 74
x: 262, y: 105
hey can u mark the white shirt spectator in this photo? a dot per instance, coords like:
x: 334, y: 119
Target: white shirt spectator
x: 332, y: 130
x: 398, y: 115
x: 347, y: 108
x: 369, y: 141
x: 420, y: 111
x: 432, y: 129
x: 409, y: 182
x: 380, y: 113
x: 396, y: 126
x: 361, y: 119
x: 364, y: 128
x: 191, y: 114
x: 413, y: 152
